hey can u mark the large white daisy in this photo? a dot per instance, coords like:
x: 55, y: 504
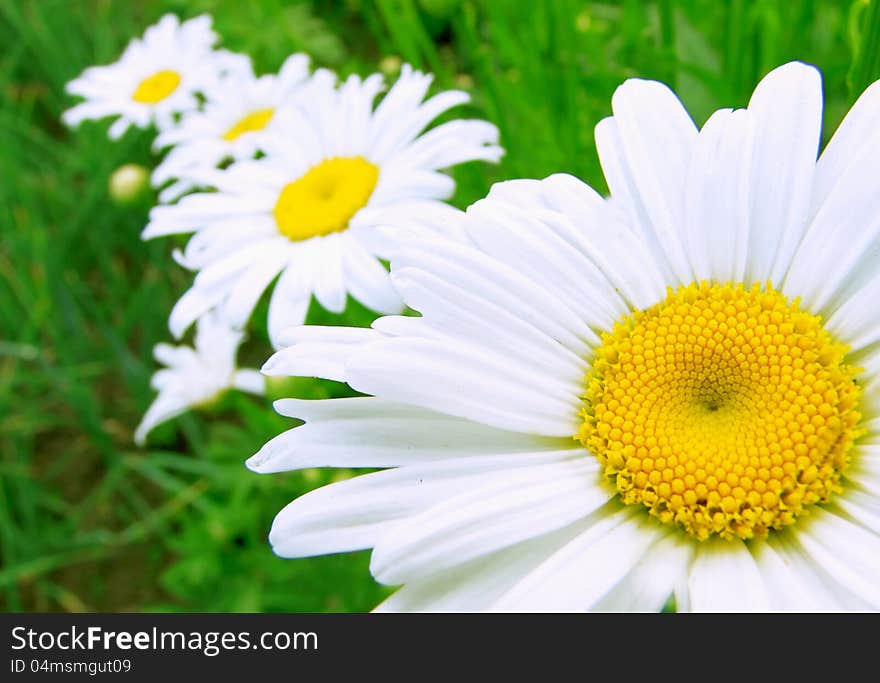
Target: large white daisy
x: 335, y: 170
x: 239, y: 111
x: 196, y: 376
x: 156, y: 77
x: 606, y: 404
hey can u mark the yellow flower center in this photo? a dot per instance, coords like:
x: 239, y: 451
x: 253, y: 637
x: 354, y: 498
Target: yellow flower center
x: 256, y: 120
x: 157, y: 87
x: 325, y: 198
x: 722, y: 409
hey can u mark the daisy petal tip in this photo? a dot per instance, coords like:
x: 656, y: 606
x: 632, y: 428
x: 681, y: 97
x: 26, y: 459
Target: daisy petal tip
x: 282, y: 406
x: 790, y: 77
x: 382, y: 569
x: 70, y: 119
x: 255, y: 463
x: 798, y: 69
x: 638, y: 89
x: 177, y: 327
x: 270, y: 367
x: 140, y: 434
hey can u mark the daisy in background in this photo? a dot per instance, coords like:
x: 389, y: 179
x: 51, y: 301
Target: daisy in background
x: 156, y: 77
x: 197, y: 376
x: 309, y: 212
x: 604, y: 406
x: 239, y: 111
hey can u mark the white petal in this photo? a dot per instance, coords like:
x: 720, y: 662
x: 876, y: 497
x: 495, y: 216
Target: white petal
x: 856, y: 138
x: 290, y: 299
x: 493, y: 280
x: 94, y: 109
x: 726, y: 578
x: 357, y: 513
x: 317, y: 351
x: 384, y: 230
x: 195, y: 302
x: 117, y: 130
x: 250, y: 381
x: 172, y: 355
x: 857, y: 320
x: 165, y: 407
x: 203, y: 208
x: 787, y: 589
x: 591, y: 229
x: 864, y: 471
x: 581, y: 574
x: 844, y: 551
x: 824, y: 588
x: 367, y: 280
x: 529, y: 243
x: 717, y: 197
x: 458, y: 380
x: 787, y: 110
x: 650, y: 584
x: 370, y: 432
x: 294, y: 70
x: 398, y: 183
x: 843, y: 240
x: 452, y: 143
x: 525, y: 503
x: 231, y: 266
x: 861, y: 508
x: 461, y: 313
x: 645, y: 150
x: 475, y: 585
x: 251, y: 284
x: 329, y: 282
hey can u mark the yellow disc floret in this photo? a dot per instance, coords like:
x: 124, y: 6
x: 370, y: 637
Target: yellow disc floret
x: 256, y: 120
x: 326, y: 197
x: 157, y: 87
x: 723, y: 409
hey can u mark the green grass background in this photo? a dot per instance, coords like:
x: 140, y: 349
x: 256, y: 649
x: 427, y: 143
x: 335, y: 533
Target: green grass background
x: 89, y: 522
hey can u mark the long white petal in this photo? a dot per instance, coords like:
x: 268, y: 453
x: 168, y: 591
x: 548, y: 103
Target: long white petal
x: 717, y: 197
x: 726, y: 578
x: 462, y: 381
x: 165, y: 407
x: 524, y: 504
x: 290, y: 299
x: 787, y: 110
x: 578, y: 576
x: 359, y: 512
x: 476, y: 585
x: 645, y: 150
x: 371, y: 432
x: 317, y: 351
x: 846, y: 552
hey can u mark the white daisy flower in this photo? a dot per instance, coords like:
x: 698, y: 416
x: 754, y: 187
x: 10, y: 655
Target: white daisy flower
x: 335, y: 171
x: 607, y: 404
x: 156, y: 77
x: 197, y: 376
x: 239, y: 111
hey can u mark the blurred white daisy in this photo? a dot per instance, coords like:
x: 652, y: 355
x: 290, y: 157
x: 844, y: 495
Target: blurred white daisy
x: 197, y: 376
x: 238, y: 112
x: 156, y: 77
x: 334, y: 172
x: 607, y: 404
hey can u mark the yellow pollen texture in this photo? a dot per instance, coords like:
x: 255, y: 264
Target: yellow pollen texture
x: 723, y: 409
x: 157, y: 87
x: 325, y: 198
x: 256, y: 120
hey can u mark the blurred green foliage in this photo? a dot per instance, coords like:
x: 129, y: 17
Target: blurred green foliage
x: 89, y: 522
